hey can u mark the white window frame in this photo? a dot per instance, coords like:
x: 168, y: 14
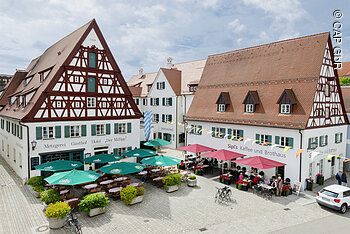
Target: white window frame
x: 338, y: 138
x: 264, y: 138
x: 285, y: 109
x: 284, y: 140
x: 249, y: 108
x: 235, y: 132
x: 46, y: 132
x: 91, y: 102
x: 195, y: 130
x: 75, y: 131
x: 221, y: 108
x: 122, y: 128
x: 154, y: 117
x: 58, y: 104
x: 321, y: 167
x: 218, y: 131
x: 167, y: 118
x: 313, y: 142
x: 167, y: 101
x: 100, y: 129
x: 322, y: 141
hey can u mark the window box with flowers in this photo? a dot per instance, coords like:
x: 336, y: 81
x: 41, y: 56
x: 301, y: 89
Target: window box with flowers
x: 319, y: 179
x: 309, y: 184
x: 286, y: 190
x: 225, y: 179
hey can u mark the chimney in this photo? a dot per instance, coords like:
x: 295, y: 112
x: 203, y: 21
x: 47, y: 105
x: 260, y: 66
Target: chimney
x: 169, y: 63
x: 141, y: 71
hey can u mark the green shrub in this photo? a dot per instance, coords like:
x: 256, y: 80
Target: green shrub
x: 39, y: 188
x: 140, y: 191
x: 192, y: 177
x: 50, y: 196
x: 36, y: 181
x: 93, y: 200
x: 57, y: 210
x: 128, y: 193
x: 172, y: 179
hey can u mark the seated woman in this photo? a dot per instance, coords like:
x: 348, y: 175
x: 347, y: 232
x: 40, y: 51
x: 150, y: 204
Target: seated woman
x: 266, y: 180
x: 274, y: 185
x: 240, y: 179
x: 254, y: 181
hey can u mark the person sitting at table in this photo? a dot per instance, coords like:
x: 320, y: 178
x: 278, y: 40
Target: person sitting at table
x: 182, y: 165
x: 261, y: 173
x: 254, y: 181
x: 274, y: 185
x: 240, y: 179
x: 267, y: 180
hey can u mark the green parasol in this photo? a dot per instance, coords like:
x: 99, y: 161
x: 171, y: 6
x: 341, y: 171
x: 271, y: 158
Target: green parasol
x: 140, y: 153
x: 59, y: 165
x: 157, y: 142
x: 103, y: 158
x: 161, y: 160
x: 72, y: 177
x: 122, y: 168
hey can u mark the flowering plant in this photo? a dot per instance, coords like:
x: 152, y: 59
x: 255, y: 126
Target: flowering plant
x: 57, y: 210
x: 226, y: 177
x: 286, y: 187
x: 309, y: 179
x: 245, y: 183
x: 319, y: 175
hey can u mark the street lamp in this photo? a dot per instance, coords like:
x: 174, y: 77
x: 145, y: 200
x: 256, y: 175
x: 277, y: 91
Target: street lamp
x: 33, y: 144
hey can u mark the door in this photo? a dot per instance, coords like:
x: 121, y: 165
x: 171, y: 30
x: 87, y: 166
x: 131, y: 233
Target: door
x: 280, y: 171
x: 333, y: 166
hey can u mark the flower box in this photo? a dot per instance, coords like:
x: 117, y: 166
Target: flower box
x: 309, y: 184
x: 56, y: 223
x: 137, y: 199
x: 170, y: 189
x: 320, y: 179
x: 192, y: 182
x: 97, y: 211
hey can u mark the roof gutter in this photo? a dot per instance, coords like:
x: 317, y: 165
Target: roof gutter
x: 300, y: 156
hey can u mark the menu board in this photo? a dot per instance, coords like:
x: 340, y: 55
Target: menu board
x: 34, y: 161
x: 297, y: 187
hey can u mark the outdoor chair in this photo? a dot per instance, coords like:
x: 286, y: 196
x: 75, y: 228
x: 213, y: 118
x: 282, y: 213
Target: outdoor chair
x: 287, y: 182
x: 267, y: 193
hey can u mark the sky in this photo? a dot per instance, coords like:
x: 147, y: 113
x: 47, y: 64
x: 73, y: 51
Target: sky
x: 145, y: 33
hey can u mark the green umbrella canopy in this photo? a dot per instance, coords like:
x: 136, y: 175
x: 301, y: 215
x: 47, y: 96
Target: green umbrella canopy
x: 59, y: 165
x: 122, y: 168
x: 139, y: 153
x: 157, y: 142
x: 103, y: 158
x: 161, y: 160
x: 72, y: 177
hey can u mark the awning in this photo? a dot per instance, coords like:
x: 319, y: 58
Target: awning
x: 259, y: 162
x: 196, y: 148
x: 223, y: 155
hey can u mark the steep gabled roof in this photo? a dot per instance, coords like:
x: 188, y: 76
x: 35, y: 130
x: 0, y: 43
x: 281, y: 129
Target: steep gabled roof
x: 142, y: 81
x: 290, y: 95
x: 174, y: 78
x: 253, y: 95
x: 12, y: 86
x: 224, y: 98
x: 269, y: 69
x: 345, y: 70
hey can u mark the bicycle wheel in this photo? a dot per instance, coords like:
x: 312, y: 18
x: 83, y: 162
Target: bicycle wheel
x: 77, y: 229
x: 216, y: 196
x: 228, y: 195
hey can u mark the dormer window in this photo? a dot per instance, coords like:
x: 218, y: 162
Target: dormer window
x: 223, y: 101
x: 250, y: 101
x: 286, y: 102
x: 193, y: 87
x: 43, y: 75
x: 149, y: 86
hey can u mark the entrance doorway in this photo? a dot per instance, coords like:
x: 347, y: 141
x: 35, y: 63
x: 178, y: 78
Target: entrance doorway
x: 100, y: 150
x: 280, y: 171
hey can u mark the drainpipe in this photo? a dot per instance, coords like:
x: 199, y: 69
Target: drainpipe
x: 176, y: 120
x: 300, y: 156
x: 28, y: 147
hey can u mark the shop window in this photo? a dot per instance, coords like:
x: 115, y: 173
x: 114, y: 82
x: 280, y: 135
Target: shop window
x: 167, y: 137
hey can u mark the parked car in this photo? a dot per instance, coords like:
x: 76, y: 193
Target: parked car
x: 334, y: 196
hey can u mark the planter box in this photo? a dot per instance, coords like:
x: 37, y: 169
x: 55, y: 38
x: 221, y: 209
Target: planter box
x: 137, y: 199
x: 170, y: 189
x: 55, y: 223
x: 320, y: 180
x: 96, y: 211
x: 192, y: 183
x: 309, y: 185
x: 228, y: 182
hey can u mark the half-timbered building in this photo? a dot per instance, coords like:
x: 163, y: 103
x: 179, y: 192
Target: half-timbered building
x: 71, y: 102
x: 258, y: 100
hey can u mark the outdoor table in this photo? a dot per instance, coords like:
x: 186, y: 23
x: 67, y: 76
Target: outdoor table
x: 73, y: 202
x: 158, y: 178
x: 266, y: 186
x: 90, y: 186
x: 63, y: 192
x: 120, y: 179
x: 143, y: 173
x: 114, y: 190
x: 106, y: 182
x: 155, y: 170
x: 134, y: 184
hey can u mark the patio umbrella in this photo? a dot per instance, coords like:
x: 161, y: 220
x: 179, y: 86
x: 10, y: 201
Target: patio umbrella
x: 72, y: 177
x: 122, y: 168
x: 58, y: 165
x: 103, y: 158
x: 223, y: 155
x: 196, y: 148
x: 157, y: 142
x: 140, y: 153
x: 161, y: 160
x: 259, y: 162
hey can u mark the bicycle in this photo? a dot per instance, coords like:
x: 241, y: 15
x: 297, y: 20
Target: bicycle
x: 223, y: 194
x: 73, y: 222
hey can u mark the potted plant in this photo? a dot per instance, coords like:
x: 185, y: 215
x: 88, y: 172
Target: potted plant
x: 172, y: 182
x: 50, y: 196
x: 226, y: 179
x: 198, y: 170
x: 34, y: 182
x: 309, y: 184
x: 245, y: 186
x: 286, y: 190
x: 192, y: 181
x: 320, y: 179
x: 132, y: 195
x: 94, y: 204
x: 38, y: 189
x: 56, y: 214
x: 239, y: 186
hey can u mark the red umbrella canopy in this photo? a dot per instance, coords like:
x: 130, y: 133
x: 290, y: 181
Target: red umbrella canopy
x: 223, y: 155
x: 259, y: 162
x: 196, y: 148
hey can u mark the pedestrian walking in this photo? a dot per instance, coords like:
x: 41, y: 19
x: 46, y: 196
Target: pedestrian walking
x: 338, y: 177
x: 344, y: 179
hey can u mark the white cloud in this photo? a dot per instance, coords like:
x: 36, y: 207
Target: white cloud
x: 236, y: 26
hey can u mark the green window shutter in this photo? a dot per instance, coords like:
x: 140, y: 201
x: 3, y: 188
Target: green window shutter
x: 67, y: 131
x: 317, y: 141
x: 326, y: 141
x: 229, y: 132
x: 163, y: 101
x: 321, y: 140
x: 199, y: 128
x: 83, y: 130
x: 116, y: 128
x: 277, y: 140
x: 21, y: 132
x: 341, y: 137
x: 92, y: 60
x: 309, y: 146
x: 93, y: 130
x: 57, y: 131
x: 223, y: 130
x: 157, y: 85
x: 170, y: 101
x: 163, y: 118
x: 170, y: 118
x: 157, y: 101
x: 240, y: 133
x: 336, y: 136
x: 213, y: 133
x: 39, y: 133
x: 291, y: 139
x: 108, y: 129
x: 91, y: 84
x: 129, y: 148
x: 115, y: 151
x: 269, y: 139
x: 163, y: 84
x: 257, y: 137
x: 128, y: 127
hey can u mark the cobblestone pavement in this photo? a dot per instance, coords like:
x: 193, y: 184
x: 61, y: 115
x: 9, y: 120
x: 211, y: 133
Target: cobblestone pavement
x: 189, y: 210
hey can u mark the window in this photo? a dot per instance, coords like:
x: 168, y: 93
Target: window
x: 218, y: 132
x: 91, y: 84
x: 167, y: 101
x: 313, y: 143
x: 249, y: 108
x: 182, y: 138
x: 121, y: 150
x: 137, y: 101
x: 154, y: 101
x: 58, y: 104
x: 264, y: 139
x: 159, y: 135
x: 323, y: 140
x: 100, y: 129
x: 76, y: 79
x: 167, y: 137
x: 285, y: 109
x: 144, y: 101
x: 221, y: 107
x: 326, y: 90
x: 92, y: 60
x: 75, y: 131
x: 193, y: 88
x: 160, y: 85
x: 327, y: 113
x: 284, y: 141
x: 48, y: 132
x: 196, y: 129
x: 236, y: 133
x: 91, y: 102
x: 166, y: 118
x: 338, y: 137
x: 43, y: 75
x: 321, y: 167
x: 346, y: 193
x: 156, y: 117
x: 122, y: 128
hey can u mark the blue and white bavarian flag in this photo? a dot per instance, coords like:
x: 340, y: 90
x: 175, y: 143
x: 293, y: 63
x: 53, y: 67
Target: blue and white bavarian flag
x: 148, y: 123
